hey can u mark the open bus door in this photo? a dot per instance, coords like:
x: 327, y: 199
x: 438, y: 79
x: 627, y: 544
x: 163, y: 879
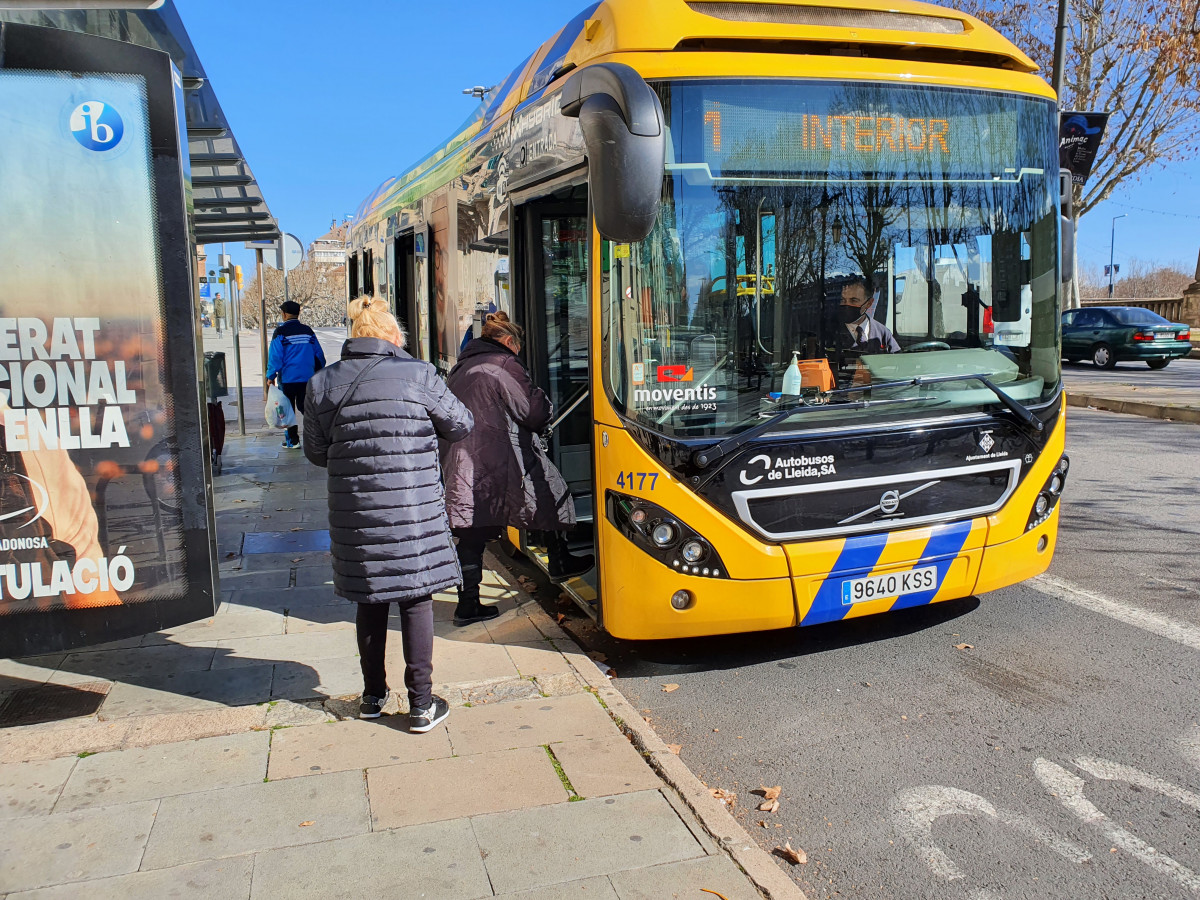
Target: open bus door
x: 552, y: 303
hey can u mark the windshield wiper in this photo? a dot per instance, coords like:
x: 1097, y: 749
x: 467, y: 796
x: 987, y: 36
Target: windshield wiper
x: 705, y: 457
x: 1024, y: 415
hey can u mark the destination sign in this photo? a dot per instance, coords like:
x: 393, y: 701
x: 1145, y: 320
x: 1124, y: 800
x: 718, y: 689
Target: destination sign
x: 819, y: 128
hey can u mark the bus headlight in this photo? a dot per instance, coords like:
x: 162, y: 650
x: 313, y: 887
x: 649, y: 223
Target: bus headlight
x: 663, y: 535
x: 1050, y: 494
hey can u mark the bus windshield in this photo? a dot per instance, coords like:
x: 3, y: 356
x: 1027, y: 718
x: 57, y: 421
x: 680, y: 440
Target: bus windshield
x: 816, y: 235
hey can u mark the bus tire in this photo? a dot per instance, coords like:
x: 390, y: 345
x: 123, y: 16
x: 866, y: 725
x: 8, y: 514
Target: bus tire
x: 1103, y: 356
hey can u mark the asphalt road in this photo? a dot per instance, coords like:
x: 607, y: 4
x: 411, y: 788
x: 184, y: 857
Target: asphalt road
x: 1058, y: 757
x: 1181, y: 373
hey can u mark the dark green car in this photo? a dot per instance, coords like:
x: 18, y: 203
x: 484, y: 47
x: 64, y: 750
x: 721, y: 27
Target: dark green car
x: 1110, y: 334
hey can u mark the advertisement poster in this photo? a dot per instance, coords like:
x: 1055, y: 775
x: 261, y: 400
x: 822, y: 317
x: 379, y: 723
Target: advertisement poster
x: 1079, y: 137
x: 91, y: 505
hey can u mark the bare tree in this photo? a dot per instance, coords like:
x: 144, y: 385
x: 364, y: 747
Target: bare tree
x: 1141, y: 280
x: 320, y: 291
x: 1139, y: 60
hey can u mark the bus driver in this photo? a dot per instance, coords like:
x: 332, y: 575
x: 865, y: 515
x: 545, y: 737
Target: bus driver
x: 867, y: 334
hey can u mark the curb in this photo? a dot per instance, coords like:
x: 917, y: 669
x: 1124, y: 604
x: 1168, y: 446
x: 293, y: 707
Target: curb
x: 730, y: 836
x: 1136, y: 407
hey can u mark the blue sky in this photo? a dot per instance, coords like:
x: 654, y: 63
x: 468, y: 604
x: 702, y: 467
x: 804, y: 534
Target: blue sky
x: 329, y: 99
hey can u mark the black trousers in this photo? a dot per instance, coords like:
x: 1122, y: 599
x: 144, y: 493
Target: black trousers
x: 294, y: 391
x: 471, y: 542
x: 416, y: 636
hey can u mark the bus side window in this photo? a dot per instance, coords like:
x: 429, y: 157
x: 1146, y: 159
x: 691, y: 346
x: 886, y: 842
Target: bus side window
x: 352, y: 275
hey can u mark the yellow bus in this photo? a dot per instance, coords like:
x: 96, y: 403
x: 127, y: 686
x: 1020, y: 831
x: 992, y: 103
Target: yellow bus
x: 791, y: 274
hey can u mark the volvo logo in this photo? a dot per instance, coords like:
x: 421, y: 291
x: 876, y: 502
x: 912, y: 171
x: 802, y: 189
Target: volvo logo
x: 889, y: 502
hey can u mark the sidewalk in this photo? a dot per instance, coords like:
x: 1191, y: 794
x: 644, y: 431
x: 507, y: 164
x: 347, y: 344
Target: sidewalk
x: 1172, y: 393
x: 223, y: 758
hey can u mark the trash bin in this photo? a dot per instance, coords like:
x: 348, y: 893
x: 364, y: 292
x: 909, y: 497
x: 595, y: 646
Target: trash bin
x: 215, y: 383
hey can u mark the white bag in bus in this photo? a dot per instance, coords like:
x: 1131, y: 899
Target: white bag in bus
x: 279, y: 409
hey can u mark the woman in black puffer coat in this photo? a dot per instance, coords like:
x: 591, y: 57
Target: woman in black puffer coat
x: 500, y: 475
x: 374, y: 419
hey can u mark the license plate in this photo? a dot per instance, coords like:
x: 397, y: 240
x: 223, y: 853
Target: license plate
x: 1164, y: 337
x: 893, y: 584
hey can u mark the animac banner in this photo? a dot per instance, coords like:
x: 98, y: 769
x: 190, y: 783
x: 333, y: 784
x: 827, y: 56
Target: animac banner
x: 93, y: 479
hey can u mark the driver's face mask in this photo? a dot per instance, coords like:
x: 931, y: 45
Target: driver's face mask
x: 849, y: 314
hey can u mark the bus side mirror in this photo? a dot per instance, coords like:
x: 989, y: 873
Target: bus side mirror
x: 623, y: 129
x: 1066, y: 201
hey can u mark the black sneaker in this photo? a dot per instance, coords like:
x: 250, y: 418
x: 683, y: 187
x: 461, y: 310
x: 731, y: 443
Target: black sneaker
x: 372, y: 707
x: 423, y: 720
x: 466, y: 614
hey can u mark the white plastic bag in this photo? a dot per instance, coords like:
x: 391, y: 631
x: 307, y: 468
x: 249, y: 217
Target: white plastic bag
x: 279, y: 410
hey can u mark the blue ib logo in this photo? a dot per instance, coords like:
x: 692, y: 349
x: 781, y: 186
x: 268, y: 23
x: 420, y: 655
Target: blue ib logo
x: 96, y: 125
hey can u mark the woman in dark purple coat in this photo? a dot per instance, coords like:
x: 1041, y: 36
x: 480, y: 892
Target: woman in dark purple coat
x: 500, y: 476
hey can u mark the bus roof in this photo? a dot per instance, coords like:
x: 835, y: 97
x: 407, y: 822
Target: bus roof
x: 904, y: 29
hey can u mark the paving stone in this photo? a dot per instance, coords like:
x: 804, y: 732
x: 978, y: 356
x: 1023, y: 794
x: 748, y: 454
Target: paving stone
x: 284, y: 648
x: 125, y: 776
x: 513, y: 627
x: 463, y: 786
x: 16, y: 674
x: 314, y: 576
x: 257, y: 817
x: 605, y: 766
x: 50, y: 741
x: 189, y: 691
x: 685, y: 881
x: 331, y: 617
x: 457, y: 662
x: 439, y: 861
x: 39, y: 851
x: 352, y: 745
x: 559, y: 685
x: 171, y: 728
x: 318, y: 680
x: 257, y: 581
x: 300, y: 598
x: 569, y: 841
x: 540, y: 658
x: 599, y: 888
x: 231, y: 621
x: 506, y: 691
x: 138, y: 662
x: 527, y: 723
x: 286, y: 714
x: 219, y: 879
x: 31, y: 788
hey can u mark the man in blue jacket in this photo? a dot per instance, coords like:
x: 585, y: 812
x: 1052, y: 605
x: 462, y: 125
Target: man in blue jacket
x: 294, y: 356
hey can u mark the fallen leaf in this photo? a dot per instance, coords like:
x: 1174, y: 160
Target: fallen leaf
x: 298, y: 559
x: 646, y: 719
x: 598, y: 656
x: 795, y: 856
x: 306, y: 824
x: 610, y: 672
x: 294, y: 529
x: 667, y: 688
x: 772, y: 793
x: 762, y: 824
x: 560, y: 618
x: 675, y: 748
x: 729, y: 798
x: 230, y: 555
x: 715, y: 730
x: 964, y: 646
x: 769, y: 806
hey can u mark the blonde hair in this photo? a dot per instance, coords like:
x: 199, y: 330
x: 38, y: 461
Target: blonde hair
x: 369, y: 318
x: 497, y: 326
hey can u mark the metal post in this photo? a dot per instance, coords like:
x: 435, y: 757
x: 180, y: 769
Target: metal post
x: 1111, y: 247
x: 1060, y: 51
x: 235, y: 320
x: 262, y: 305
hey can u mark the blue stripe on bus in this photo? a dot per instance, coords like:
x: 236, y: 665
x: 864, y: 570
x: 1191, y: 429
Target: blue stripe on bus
x: 858, y: 557
x: 941, y: 550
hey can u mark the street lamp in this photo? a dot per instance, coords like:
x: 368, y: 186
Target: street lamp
x: 1111, y: 245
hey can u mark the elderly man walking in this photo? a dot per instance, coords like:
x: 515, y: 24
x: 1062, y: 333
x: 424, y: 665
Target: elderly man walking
x: 294, y: 357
